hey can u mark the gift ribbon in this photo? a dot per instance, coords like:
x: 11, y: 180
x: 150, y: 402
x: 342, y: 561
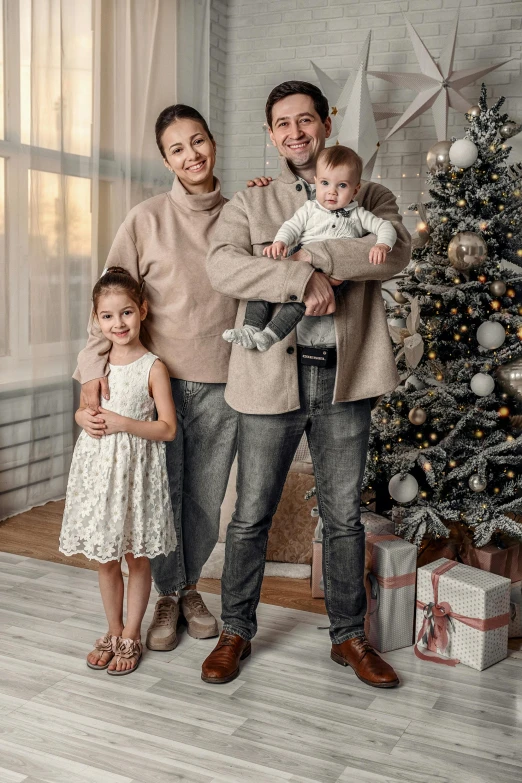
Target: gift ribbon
x: 437, y: 616
x: 389, y: 582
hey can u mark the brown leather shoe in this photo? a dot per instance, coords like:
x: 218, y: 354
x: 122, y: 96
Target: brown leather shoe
x: 366, y: 663
x: 222, y: 665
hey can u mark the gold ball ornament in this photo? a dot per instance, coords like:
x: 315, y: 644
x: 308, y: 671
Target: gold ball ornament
x: 417, y: 416
x: 509, y: 129
x: 497, y: 288
x: 466, y: 250
x: 438, y: 159
x: 399, y: 297
x: 510, y: 378
x: 474, y: 111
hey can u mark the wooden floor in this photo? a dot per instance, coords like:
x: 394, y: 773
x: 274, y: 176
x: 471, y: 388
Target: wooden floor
x: 35, y: 534
x: 292, y: 715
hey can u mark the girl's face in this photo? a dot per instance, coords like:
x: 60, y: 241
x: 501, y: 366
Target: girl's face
x: 190, y: 155
x: 120, y: 317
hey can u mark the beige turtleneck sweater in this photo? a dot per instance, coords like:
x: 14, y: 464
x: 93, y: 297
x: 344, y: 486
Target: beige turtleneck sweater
x: 164, y: 241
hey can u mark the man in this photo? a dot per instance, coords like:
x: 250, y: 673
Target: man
x: 318, y: 380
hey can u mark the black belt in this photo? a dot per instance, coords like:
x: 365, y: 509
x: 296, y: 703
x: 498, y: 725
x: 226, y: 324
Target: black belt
x: 317, y: 357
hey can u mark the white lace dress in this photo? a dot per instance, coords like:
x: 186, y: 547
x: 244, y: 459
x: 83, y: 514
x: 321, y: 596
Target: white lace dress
x: 118, y: 497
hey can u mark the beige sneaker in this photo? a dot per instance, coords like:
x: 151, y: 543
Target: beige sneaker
x: 162, y: 633
x: 200, y: 623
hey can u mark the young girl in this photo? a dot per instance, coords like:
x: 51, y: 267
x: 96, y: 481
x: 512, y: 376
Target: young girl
x: 118, y: 501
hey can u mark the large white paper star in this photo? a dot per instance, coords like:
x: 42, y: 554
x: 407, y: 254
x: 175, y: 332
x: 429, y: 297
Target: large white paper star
x: 437, y: 85
x: 352, y: 112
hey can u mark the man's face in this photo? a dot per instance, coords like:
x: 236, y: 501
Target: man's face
x: 297, y: 130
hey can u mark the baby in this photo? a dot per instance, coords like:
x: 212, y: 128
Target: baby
x: 331, y: 215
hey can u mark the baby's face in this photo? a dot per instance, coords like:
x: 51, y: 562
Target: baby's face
x: 335, y: 187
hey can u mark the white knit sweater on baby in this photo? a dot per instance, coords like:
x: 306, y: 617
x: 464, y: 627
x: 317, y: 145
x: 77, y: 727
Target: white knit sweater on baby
x: 313, y: 223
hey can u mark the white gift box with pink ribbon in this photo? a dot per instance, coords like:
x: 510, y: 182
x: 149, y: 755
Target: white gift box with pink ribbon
x: 462, y: 615
x: 515, y: 613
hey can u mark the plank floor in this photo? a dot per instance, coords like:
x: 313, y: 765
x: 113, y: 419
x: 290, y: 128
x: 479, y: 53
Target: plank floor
x: 292, y: 715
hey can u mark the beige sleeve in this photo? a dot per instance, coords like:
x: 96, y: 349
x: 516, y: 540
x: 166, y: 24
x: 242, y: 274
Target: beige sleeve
x: 349, y: 260
x: 93, y: 359
x: 235, y: 272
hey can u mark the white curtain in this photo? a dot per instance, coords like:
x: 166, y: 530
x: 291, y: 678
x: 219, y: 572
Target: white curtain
x: 86, y: 80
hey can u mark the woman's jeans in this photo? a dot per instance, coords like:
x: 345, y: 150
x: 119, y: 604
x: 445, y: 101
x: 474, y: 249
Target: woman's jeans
x: 198, y: 467
x: 338, y: 440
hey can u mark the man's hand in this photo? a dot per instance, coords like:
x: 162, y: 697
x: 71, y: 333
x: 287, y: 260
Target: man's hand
x: 259, y: 182
x: 378, y: 254
x: 91, y: 421
x: 319, y: 296
x: 93, y: 390
x: 275, y: 250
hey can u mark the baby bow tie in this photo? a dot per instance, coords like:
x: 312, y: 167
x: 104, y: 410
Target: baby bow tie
x: 342, y: 212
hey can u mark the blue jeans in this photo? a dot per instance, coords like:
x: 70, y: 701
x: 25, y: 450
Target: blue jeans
x: 198, y: 467
x: 338, y: 439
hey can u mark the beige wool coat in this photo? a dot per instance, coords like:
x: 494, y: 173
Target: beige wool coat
x: 267, y: 383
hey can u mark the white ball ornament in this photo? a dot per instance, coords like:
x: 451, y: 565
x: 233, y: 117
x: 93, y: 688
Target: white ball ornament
x: 482, y: 384
x: 412, y: 382
x: 491, y: 334
x: 403, y: 490
x: 463, y: 153
x: 399, y: 323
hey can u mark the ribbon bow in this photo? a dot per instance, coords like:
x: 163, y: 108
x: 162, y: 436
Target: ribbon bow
x: 409, y: 338
x: 439, y: 615
x: 342, y: 212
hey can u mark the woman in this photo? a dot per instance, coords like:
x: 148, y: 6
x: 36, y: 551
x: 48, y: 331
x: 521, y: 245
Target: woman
x: 163, y: 242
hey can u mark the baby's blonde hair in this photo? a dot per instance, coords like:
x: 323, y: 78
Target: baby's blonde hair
x: 338, y: 155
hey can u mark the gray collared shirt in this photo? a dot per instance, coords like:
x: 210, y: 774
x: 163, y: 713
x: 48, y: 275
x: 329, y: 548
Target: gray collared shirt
x: 315, y: 329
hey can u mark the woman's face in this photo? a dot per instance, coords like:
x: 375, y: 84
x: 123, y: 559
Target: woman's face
x: 190, y: 154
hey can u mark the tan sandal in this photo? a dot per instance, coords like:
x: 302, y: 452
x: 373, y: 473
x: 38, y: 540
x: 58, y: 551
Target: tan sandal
x: 106, y: 643
x: 127, y: 648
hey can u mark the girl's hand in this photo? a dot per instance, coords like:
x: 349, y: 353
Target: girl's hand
x: 91, y: 421
x: 113, y: 422
x: 275, y: 250
x: 378, y: 254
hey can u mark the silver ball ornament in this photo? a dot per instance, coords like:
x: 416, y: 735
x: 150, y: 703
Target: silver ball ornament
x: 399, y: 323
x: 463, y: 153
x: 403, y: 490
x: 497, y: 288
x: 417, y: 416
x: 412, y: 382
x: 482, y: 384
x: 399, y: 297
x: 476, y: 483
x: 491, y: 334
x: 510, y: 378
x: 438, y: 157
x: 474, y: 111
x: 467, y: 250
x: 509, y: 129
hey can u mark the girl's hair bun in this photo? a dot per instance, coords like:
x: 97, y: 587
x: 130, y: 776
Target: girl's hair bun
x: 119, y: 279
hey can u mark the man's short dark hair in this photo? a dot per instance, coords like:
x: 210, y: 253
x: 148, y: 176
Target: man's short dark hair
x: 297, y: 88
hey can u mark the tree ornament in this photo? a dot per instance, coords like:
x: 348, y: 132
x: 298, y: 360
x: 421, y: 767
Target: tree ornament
x: 403, y: 490
x: 482, y: 384
x: 438, y: 157
x: 463, y: 153
x: 417, y: 416
x: 412, y: 382
x: 509, y: 129
x: 476, y: 483
x: 399, y: 297
x: 491, y: 334
x: 474, y: 111
x: 399, y: 323
x: 510, y: 378
x: 467, y: 250
x: 497, y: 288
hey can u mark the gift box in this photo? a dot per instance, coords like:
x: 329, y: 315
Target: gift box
x: 374, y: 523
x: 317, y: 569
x: 391, y: 563
x: 504, y: 562
x: 515, y: 613
x: 462, y: 615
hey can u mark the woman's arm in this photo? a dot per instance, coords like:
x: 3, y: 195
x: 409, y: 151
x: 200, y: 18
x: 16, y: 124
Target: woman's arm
x: 161, y: 430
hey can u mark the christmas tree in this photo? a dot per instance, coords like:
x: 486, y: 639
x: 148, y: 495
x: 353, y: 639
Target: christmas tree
x: 445, y: 445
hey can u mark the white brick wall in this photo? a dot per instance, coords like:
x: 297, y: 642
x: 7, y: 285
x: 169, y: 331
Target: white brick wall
x: 269, y: 41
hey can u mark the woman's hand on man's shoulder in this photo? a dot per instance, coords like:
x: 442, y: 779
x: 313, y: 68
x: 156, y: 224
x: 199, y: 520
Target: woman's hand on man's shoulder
x: 259, y: 182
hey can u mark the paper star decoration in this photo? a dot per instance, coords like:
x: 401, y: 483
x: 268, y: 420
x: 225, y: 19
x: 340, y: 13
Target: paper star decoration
x: 352, y: 112
x: 437, y: 85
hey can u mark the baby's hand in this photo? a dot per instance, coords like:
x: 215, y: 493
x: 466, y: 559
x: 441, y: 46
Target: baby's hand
x: 378, y: 254
x: 275, y: 250
x: 91, y: 421
x: 113, y: 422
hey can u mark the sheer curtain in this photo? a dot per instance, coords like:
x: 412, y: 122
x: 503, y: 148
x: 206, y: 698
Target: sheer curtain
x: 86, y: 80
